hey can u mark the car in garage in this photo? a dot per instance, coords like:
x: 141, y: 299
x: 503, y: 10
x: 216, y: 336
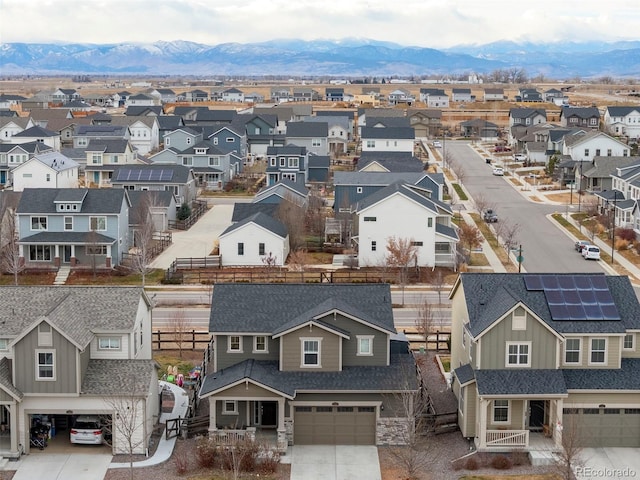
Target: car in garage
x: 499, y: 171
x: 87, y: 430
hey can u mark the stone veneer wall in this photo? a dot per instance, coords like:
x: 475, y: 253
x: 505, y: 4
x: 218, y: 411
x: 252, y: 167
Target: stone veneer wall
x: 391, y: 431
x: 288, y: 426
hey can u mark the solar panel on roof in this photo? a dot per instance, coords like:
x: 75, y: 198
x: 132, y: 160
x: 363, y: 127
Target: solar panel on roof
x: 610, y: 312
x: 603, y: 297
x: 571, y: 297
x: 593, y: 312
x: 533, y: 282
x: 559, y: 312
x: 550, y: 282
x: 166, y: 175
x: 566, y: 282
x: 599, y: 282
x: 583, y: 282
x: 587, y: 296
x: 554, y: 296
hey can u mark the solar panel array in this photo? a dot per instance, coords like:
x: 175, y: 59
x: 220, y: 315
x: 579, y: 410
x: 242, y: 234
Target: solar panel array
x: 575, y: 297
x: 143, y: 175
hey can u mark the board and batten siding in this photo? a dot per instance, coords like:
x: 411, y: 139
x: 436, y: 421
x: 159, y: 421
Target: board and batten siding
x: 247, y: 390
x: 330, y: 345
x: 459, y: 317
x: 350, y: 346
x: 225, y: 359
x: 612, y: 358
x: 65, y: 359
x: 494, y: 344
x: 635, y: 352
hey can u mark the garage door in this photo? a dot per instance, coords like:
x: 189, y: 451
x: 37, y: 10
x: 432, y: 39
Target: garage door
x: 334, y: 426
x: 603, y: 427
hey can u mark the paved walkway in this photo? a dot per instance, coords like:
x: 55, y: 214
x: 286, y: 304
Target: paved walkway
x: 334, y: 462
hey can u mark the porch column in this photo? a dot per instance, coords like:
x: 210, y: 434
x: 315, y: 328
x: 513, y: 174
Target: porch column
x: 107, y: 261
x: 72, y: 259
x: 282, y: 431
x: 557, y: 426
x: 21, y: 250
x: 482, y: 432
x: 13, y: 426
x: 213, y: 426
x: 56, y: 259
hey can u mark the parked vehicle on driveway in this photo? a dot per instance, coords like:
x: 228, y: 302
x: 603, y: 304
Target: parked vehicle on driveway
x: 591, y: 252
x: 520, y: 157
x: 437, y: 144
x: 490, y: 216
x: 580, y: 244
x: 499, y: 171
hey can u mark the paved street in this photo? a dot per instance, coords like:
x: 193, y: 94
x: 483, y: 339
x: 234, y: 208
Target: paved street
x: 546, y: 248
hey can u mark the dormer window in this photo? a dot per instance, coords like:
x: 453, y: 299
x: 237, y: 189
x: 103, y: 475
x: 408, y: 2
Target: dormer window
x: 310, y: 352
x: 201, y: 151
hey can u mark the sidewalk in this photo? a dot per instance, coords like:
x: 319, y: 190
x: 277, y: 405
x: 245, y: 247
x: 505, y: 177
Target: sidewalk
x: 165, y: 447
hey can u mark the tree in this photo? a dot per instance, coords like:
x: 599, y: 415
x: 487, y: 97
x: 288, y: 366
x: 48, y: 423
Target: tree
x: 298, y: 261
x: 569, y: 456
x: 470, y: 237
x: 10, y: 249
x: 184, y: 211
x: 142, y: 218
x: 482, y: 203
x: 293, y: 217
x: 401, y: 254
x: 425, y: 321
x: 179, y: 325
x: 93, y: 249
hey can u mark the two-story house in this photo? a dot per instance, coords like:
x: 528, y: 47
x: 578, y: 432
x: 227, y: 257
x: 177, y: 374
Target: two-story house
x: 334, y: 94
x: 69, y: 351
x: 594, y: 143
x: 425, y: 122
x: 290, y: 162
x: 9, y: 126
x: 46, y: 170
x: 317, y: 364
x: 233, y: 95
x: 144, y: 130
x: 13, y: 155
x: 177, y: 179
x: 539, y: 356
x: 81, y: 227
x: 434, y: 97
x: 280, y: 95
x: 579, y: 117
x: 401, y: 96
x: 406, y: 212
x: 83, y: 134
x: 494, y: 94
x: 462, y: 95
x: 101, y: 156
x: 527, y: 116
x: 38, y: 134
x: 388, y: 139
x: 305, y: 94
x: 338, y: 132
x: 311, y: 135
x: 623, y: 121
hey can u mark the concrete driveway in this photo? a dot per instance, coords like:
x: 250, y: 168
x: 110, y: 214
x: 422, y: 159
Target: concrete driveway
x: 609, y: 463
x: 329, y: 462
x: 63, y: 466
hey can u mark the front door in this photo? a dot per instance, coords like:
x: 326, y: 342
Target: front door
x: 268, y: 414
x: 536, y: 415
x: 66, y: 254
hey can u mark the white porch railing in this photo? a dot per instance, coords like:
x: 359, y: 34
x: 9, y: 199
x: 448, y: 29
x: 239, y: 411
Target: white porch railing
x: 507, y: 438
x: 228, y: 437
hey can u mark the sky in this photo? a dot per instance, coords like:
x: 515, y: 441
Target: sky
x: 424, y: 23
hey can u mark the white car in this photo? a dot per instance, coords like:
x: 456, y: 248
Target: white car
x: 86, y: 429
x: 591, y: 252
x: 520, y: 157
x: 498, y: 171
x: 437, y: 144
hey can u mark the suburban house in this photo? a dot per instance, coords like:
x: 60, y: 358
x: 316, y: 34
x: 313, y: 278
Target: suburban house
x: 83, y: 134
x: 140, y: 100
x: 257, y: 240
x: 145, y: 132
x: 287, y: 163
x: 555, y: 96
x: 319, y: 167
x: 338, y: 132
x: 144, y: 111
x: 102, y: 156
x: 314, y: 364
x: 233, y: 95
x: 230, y: 138
x: 69, y: 351
x: 311, y: 135
x: 293, y: 192
x: 305, y: 94
x: 434, y: 97
x: 401, y: 96
x: 598, y: 175
x: 164, y: 95
x: 404, y: 211
x: 594, y: 143
x: 494, y: 94
x: 579, y: 117
x: 9, y: 126
x: 350, y: 114
x: 372, y: 161
x: 37, y: 134
x: 181, y: 138
x: 364, y: 113
x: 13, y: 155
x: 177, y: 179
x: 539, y: 356
x: 389, y: 139
x: 280, y: 95
x: 478, y: 127
x: 528, y: 94
x: 161, y: 205
x: 353, y: 187
x: 261, y: 133
x: 620, y: 200
x: 623, y: 121
x: 334, y: 94
x: 425, y: 123
x: 46, y: 170
x: 527, y: 116
x: 81, y: 227
x: 462, y: 95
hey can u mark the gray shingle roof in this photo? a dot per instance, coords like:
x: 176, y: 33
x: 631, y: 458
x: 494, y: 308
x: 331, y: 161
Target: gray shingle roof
x: 376, y: 178
x: 405, y: 190
x: 132, y: 376
x: 489, y: 296
x: 403, y: 133
x: 392, y: 378
x: 97, y: 200
x: 520, y: 382
x: 266, y: 307
x: 6, y: 381
x: 112, y: 309
x: 265, y: 221
x: 464, y: 374
x: 68, y: 238
x: 108, y: 146
x: 307, y: 129
x: 447, y: 231
x: 622, y: 111
x: 627, y: 377
x: 244, y: 210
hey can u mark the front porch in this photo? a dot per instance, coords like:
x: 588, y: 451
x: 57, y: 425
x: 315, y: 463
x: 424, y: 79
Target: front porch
x: 40, y: 252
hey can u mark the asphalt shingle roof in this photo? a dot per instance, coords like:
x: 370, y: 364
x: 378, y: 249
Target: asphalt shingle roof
x: 97, y: 200
x: 464, y: 374
x: 244, y: 210
x: 5, y: 378
x: 520, y: 382
x: 132, y: 377
x: 627, y: 377
x: 264, y: 221
x: 403, y: 133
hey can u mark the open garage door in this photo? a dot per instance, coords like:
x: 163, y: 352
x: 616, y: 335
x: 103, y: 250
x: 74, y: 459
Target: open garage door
x: 603, y: 427
x: 328, y: 425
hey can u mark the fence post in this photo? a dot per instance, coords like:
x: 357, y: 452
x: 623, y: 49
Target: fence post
x: 159, y: 342
x: 437, y: 340
x: 193, y: 339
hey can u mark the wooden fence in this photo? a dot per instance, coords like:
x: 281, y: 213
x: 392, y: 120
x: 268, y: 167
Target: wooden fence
x: 170, y: 340
x: 198, y: 208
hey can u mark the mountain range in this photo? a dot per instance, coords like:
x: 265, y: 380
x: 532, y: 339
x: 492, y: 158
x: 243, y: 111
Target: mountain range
x: 349, y: 57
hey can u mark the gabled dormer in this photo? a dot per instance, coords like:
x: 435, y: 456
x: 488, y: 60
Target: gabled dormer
x: 69, y: 200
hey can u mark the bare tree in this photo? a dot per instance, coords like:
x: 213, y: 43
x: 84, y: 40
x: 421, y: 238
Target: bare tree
x: 269, y: 261
x: 10, y: 251
x: 401, y: 254
x: 458, y: 170
x: 93, y: 249
x: 569, y: 456
x: 470, y: 237
x: 179, y: 325
x: 143, y: 235
x: 510, y: 235
x: 315, y: 215
x: 293, y: 217
x: 425, y: 321
x: 482, y: 203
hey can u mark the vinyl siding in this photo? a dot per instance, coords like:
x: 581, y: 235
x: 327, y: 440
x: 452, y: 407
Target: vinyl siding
x: 292, y: 349
x: 225, y: 359
x: 249, y: 390
x: 459, y: 317
x: 471, y: 400
x: 635, y: 353
x: 592, y: 400
x: 543, y: 344
x: 613, y: 353
x: 65, y: 365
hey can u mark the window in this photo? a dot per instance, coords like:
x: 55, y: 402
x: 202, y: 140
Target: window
x: 316, y: 142
x: 167, y: 141
x: 240, y: 248
x: 283, y: 162
x: 215, y: 140
x: 501, y: 411
x: 294, y: 162
x: 4, y: 344
x: 371, y: 143
x: 608, y: 152
x: 40, y: 253
x: 235, y: 344
x: 45, y: 365
x: 230, y: 139
x: 430, y: 222
x: 365, y: 344
x: 370, y: 219
x: 518, y: 354
x: 627, y: 344
x: 358, y: 189
x: 109, y: 343
x: 68, y: 223
x: 229, y: 407
x: 417, y: 244
x: 214, y: 161
x: 38, y: 223
x: 96, y: 249
x: 260, y: 344
x: 586, y: 152
x: 597, y: 152
x: 598, y: 350
x: 45, y: 335
x: 374, y: 245
x: 572, y: 350
x: 96, y: 158
x: 519, y: 319
x: 310, y: 352
x: 187, y: 161
x: 48, y: 177
x: 98, y: 224
x: 261, y: 249
x: 272, y: 161
x: 188, y: 140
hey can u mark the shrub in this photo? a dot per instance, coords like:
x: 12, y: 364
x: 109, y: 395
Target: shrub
x: 206, y: 452
x: 269, y: 462
x: 181, y: 464
x: 184, y: 212
x: 519, y: 458
x: 471, y: 464
x: 500, y: 462
x: 626, y: 234
x: 621, y: 244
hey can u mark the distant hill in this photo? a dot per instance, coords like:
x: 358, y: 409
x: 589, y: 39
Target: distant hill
x: 338, y: 58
